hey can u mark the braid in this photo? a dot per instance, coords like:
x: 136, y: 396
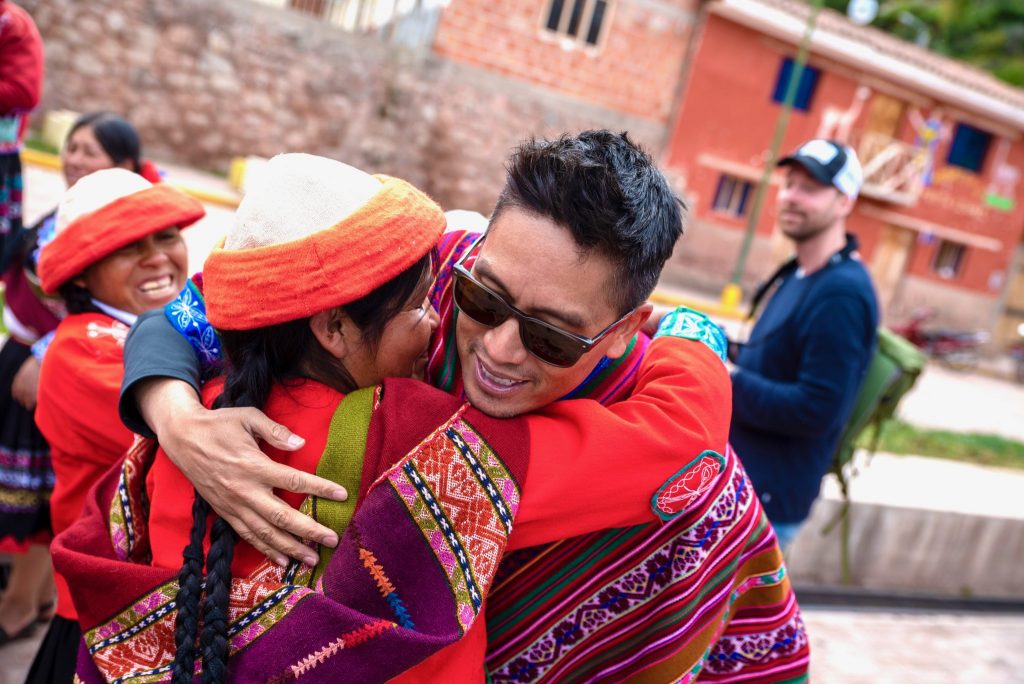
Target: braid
x: 257, y: 359
x: 215, y: 611
x: 190, y: 589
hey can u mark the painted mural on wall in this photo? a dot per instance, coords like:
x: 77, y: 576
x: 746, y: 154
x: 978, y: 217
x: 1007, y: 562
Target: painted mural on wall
x: 930, y: 131
x: 837, y: 122
x: 1002, y: 189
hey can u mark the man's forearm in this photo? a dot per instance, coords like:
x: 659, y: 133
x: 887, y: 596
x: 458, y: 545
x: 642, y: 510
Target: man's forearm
x: 160, y: 399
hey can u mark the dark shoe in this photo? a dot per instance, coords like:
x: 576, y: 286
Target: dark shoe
x: 25, y: 633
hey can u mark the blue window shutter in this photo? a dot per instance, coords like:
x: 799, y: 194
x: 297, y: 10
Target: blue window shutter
x: 805, y: 89
x: 969, y: 148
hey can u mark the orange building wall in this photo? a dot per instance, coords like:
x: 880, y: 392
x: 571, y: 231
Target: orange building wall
x: 635, y: 68
x: 727, y: 112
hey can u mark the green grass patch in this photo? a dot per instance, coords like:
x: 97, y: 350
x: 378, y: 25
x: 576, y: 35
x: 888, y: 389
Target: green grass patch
x: 37, y: 144
x: 991, y: 450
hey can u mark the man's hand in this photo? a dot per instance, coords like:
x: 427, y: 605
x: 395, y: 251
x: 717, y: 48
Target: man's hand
x: 218, y: 452
x: 25, y: 385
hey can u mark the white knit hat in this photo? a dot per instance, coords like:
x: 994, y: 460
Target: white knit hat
x: 295, y: 196
x: 313, y: 233
x: 95, y: 191
x: 104, y: 212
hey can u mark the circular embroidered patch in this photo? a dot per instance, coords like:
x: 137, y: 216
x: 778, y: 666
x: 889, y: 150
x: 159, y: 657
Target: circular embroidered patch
x: 686, y: 486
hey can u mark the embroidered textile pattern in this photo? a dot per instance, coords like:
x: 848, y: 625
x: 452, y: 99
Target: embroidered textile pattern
x: 442, y: 368
x: 128, y: 505
x: 353, y: 638
x: 116, y: 329
x: 688, y: 485
x: 693, y: 325
x: 138, y: 643
x: 387, y: 590
x: 441, y: 486
x: 26, y: 479
x: 732, y: 653
x: 613, y: 610
x: 187, y: 314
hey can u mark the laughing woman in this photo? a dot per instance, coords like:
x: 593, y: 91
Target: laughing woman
x: 117, y: 253
x: 96, y: 141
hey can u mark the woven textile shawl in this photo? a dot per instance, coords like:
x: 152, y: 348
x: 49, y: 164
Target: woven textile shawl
x: 399, y: 587
x: 701, y: 597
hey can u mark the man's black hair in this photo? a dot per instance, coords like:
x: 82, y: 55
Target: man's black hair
x: 609, y: 194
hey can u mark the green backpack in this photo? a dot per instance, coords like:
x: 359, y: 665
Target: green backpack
x: 893, y: 370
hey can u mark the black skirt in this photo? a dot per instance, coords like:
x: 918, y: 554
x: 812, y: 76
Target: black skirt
x: 55, y: 660
x: 26, y: 474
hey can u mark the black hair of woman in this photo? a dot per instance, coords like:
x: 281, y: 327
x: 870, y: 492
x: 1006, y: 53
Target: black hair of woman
x: 256, y: 361
x: 115, y: 134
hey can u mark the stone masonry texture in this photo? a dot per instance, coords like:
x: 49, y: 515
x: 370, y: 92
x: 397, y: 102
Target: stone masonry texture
x: 208, y: 80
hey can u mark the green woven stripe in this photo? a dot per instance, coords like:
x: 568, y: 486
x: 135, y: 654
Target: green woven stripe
x: 557, y: 581
x: 342, y: 463
x: 609, y: 369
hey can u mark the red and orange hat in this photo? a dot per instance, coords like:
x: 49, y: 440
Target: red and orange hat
x: 312, y: 234
x: 104, y: 212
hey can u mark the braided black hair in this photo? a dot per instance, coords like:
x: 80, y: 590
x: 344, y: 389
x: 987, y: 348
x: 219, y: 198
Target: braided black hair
x: 256, y: 361
x: 190, y: 589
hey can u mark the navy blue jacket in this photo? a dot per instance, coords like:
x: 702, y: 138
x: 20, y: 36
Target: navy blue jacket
x: 796, y: 381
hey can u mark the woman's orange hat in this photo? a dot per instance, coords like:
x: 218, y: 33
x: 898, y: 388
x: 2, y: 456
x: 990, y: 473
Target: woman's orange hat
x: 313, y: 234
x: 104, y: 212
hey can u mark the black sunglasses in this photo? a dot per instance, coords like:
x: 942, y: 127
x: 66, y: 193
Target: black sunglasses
x: 547, y: 342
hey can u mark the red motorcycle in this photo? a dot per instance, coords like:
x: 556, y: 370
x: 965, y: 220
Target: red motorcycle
x: 960, y: 349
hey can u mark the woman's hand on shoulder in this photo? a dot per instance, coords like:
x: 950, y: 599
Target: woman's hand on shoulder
x: 218, y: 451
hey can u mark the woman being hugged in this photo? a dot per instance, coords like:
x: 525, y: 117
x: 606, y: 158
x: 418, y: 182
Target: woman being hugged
x: 318, y: 294
x: 117, y: 253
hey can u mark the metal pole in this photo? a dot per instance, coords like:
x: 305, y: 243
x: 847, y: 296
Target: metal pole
x: 732, y: 293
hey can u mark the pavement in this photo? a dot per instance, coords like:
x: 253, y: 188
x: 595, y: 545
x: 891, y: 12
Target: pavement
x: 848, y: 646
x: 884, y: 647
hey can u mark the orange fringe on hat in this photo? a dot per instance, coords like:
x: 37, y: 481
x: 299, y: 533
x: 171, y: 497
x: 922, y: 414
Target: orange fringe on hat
x: 253, y: 288
x: 100, y: 233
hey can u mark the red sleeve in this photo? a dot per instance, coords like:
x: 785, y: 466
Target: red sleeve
x: 594, y: 467
x: 21, y: 60
x: 79, y: 385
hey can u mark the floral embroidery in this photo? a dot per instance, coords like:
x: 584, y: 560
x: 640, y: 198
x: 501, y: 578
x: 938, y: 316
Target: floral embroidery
x: 187, y: 314
x: 116, y: 329
x: 693, y: 325
x: 686, y: 486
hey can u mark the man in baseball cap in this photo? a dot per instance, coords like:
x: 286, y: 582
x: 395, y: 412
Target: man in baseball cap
x: 798, y: 375
x: 830, y: 162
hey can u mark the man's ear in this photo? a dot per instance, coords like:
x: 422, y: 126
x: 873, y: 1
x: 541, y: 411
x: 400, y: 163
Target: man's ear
x: 624, y: 333
x: 330, y: 328
x: 846, y: 204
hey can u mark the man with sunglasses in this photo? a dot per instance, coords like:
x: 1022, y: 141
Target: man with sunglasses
x: 547, y: 306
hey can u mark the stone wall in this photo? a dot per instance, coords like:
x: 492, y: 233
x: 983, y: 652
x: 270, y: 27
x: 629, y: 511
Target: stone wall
x: 207, y: 80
